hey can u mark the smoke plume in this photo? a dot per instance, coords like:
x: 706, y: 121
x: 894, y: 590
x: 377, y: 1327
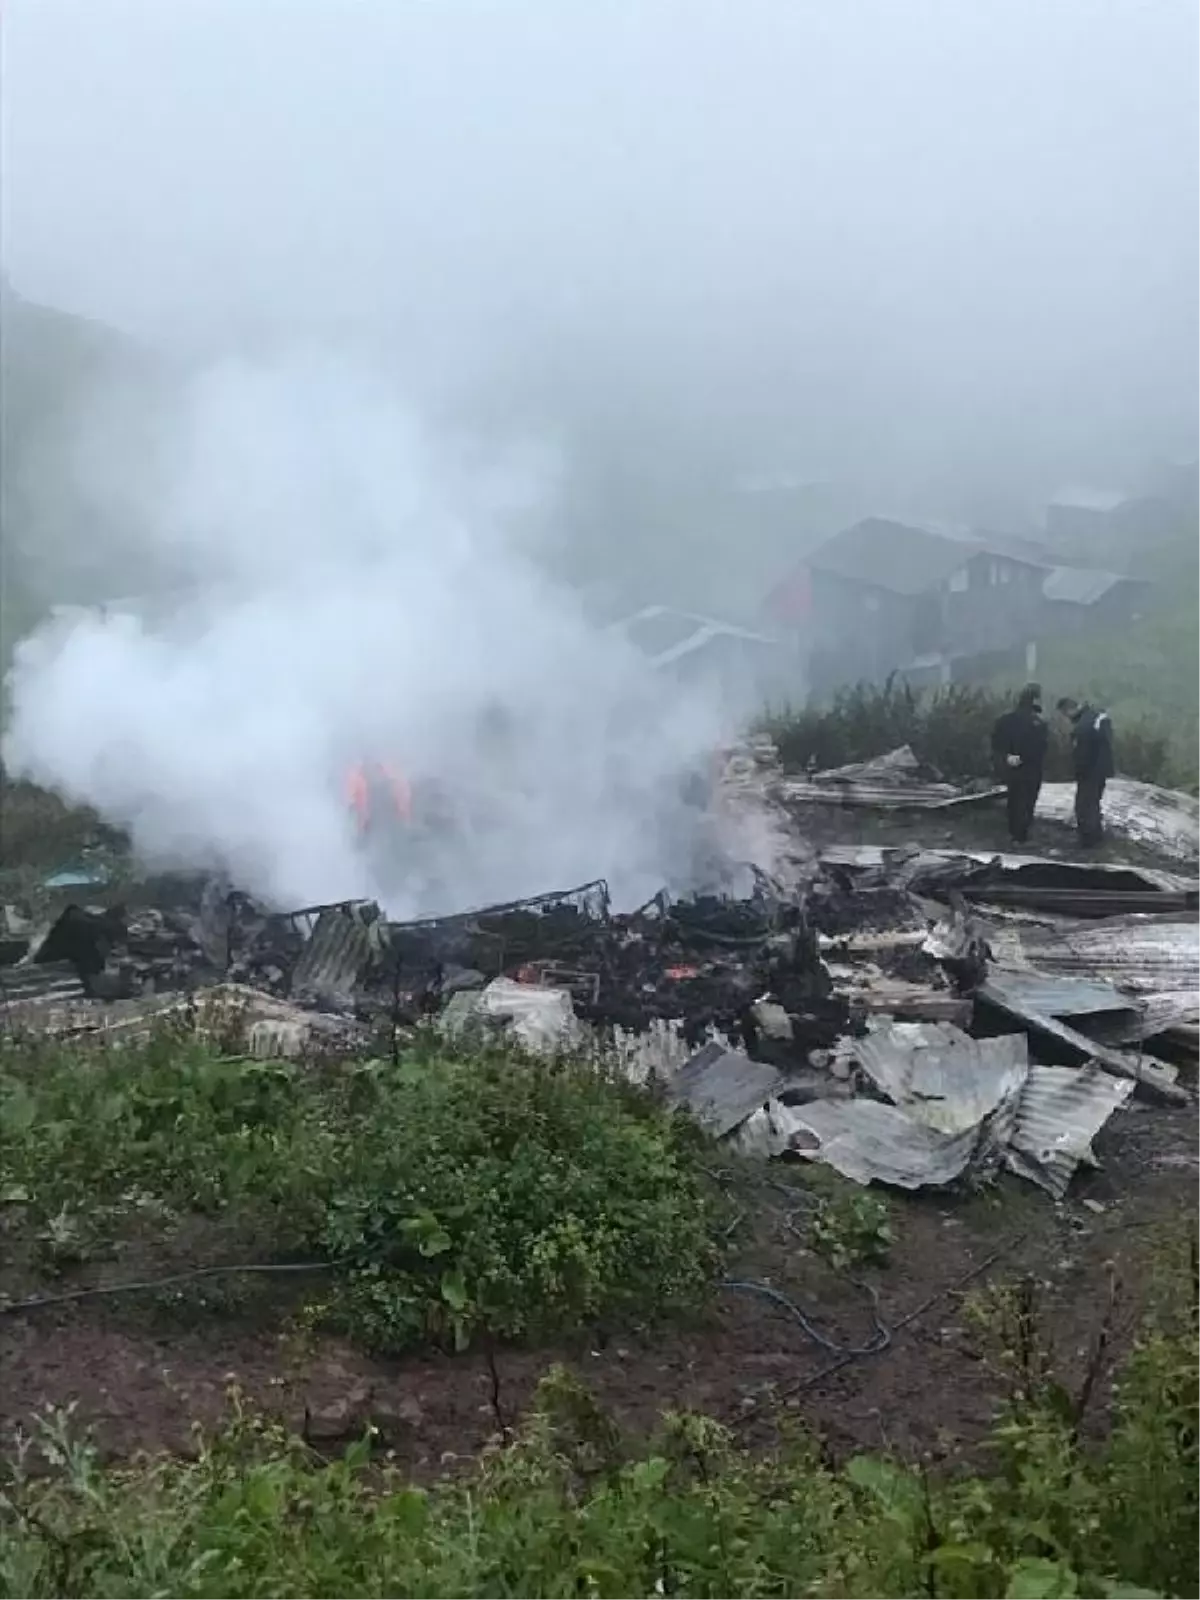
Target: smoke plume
x: 354, y: 589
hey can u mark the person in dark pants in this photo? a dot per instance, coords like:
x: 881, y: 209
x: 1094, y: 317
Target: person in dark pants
x: 1092, y: 750
x: 1019, y: 741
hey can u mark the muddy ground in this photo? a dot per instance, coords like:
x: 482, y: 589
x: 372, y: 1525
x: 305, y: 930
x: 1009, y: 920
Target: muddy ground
x: 141, y: 1369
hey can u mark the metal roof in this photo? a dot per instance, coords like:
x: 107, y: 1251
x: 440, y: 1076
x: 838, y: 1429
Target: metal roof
x: 1163, y: 819
x: 910, y: 557
x: 666, y: 635
x: 1081, y: 586
x: 902, y: 557
x: 1142, y: 954
x: 1060, y: 1112
x: 888, y: 782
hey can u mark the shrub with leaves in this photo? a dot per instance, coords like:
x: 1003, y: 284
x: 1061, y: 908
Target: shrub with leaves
x: 518, y: 1198
x: 852, y: 1230
x: 950, y: 729
x: 571, y: 1507
x: 451, y: 1195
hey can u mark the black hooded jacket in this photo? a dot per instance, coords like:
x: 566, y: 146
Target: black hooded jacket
x: 1021, y: 732
x: 1092, y: 744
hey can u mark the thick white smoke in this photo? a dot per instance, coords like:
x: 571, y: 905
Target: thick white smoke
x: 358, y: 590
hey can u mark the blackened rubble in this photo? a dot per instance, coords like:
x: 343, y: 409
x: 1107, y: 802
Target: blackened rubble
x: 701, y: 964
x: 778, y: 992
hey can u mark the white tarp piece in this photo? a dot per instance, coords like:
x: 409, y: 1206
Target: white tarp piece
x: 543, y: 1021
x: 1164, y: 820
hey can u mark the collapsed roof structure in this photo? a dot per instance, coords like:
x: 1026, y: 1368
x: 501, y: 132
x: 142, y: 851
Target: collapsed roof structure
x: 906, y: 1015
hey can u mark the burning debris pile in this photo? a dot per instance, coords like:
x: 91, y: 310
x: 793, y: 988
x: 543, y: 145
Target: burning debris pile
x: 908, y: 1016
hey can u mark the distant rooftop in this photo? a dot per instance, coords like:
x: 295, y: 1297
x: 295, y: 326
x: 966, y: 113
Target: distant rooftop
x: 665, y: 634
x: 903, y: 557
x: 1082, y: 586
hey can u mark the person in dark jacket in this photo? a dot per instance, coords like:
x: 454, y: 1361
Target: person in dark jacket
x: 1019, y: 741
x: 1092, y: 752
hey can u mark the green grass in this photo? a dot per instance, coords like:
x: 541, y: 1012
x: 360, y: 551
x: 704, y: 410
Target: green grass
x: 454, y: 1197
x: 570, y: 1507
x: 451, y: 1196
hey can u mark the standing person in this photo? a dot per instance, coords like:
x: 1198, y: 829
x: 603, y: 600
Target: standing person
x: 1092, y: 749
x: 1019, y: 741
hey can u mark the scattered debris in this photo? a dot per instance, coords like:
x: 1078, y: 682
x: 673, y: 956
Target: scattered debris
x: 723, y: 1087
x: 896, y: 781
x: 1061, y: 1111
x: 871, y: 1008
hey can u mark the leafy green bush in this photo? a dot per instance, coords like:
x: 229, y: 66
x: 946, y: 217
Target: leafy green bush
x: 451, y: 1195
x: 521, y: 1199
x: 948, y: 728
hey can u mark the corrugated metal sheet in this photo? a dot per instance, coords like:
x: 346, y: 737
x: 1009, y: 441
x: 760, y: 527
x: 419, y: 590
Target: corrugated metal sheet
x: 910, y: 864
x: 272, y: 1026
x: 1144, y: 955
x: 1060, y: 1112
x: 878, y: 796
x: 869, y: 1142
x: 342, y: 942
x: 1157, y: 1077
x: 940, y: 1075
x: 41, y: 984
x: 722, y: 1087
x: 1161, y: 819
x: 890, y: 782
x: 1063, y: 995
x: 1156, y: 1013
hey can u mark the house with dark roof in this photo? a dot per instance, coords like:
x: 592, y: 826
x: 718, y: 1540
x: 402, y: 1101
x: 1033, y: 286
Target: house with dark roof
x: 889, y: 596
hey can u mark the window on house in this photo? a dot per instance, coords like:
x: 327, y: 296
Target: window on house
x: 871, y: 601
x: 958, y: 581
x: 993, y: 572
x: 1006, y: 573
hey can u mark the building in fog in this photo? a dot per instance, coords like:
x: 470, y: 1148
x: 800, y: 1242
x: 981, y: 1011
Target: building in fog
x: 738, y: 667
x: 1112, y: 528
x: 934, y: 602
